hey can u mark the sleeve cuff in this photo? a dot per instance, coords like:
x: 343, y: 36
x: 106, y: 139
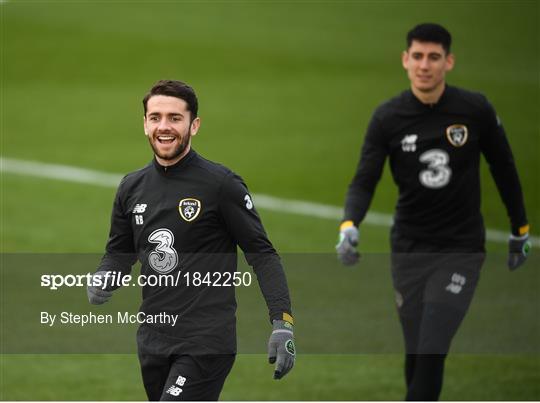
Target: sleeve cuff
x: 520, y: 231
x: 287, y: 317
x: 346, y: 224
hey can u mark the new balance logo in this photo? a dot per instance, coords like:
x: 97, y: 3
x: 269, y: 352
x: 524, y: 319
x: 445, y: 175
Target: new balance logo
x: 174, y: 390
x: 139, y: 220
x: 456, y: 284
x: 408, y: 144
x: 139, y: 208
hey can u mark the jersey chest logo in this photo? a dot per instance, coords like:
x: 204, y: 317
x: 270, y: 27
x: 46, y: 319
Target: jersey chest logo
x: 189, y: 209
x: 457, y: 135
x: 408, y: 143
x: 138, y: 210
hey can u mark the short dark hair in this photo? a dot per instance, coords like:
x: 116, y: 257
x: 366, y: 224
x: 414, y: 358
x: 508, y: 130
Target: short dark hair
x: 430, y: 32
x: 176, y: 89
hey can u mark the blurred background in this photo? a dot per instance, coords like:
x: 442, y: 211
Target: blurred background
x: 286, y: 90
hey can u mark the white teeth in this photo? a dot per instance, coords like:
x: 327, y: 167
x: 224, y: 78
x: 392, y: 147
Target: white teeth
x: 166, y: 137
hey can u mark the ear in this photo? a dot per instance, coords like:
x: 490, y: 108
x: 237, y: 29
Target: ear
x: 405, y: 59
x: 194, y: 128
x: 146, y: 131
x: 450, y: 60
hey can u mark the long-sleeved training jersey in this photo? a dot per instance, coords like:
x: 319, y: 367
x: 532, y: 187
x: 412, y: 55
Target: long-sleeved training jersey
x: 434, y: 152
x: 190, y: 217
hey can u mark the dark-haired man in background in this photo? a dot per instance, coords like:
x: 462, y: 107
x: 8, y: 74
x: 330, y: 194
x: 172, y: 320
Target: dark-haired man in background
x: 184, y: 215
x: 433, y: 135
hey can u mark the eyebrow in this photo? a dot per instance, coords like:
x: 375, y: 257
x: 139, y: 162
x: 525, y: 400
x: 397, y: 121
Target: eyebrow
x: 168, y: 114
x: 417, y: 52
x: 428, y: 54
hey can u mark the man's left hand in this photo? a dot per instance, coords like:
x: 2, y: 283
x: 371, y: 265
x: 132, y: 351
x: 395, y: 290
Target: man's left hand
x: 518, y: 250
x: 281, y: 349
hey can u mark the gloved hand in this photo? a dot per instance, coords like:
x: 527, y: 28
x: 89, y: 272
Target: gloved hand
x: 346, y: 247
x: 281, y: 350
x: 96, y: 294
x: 518, y: 250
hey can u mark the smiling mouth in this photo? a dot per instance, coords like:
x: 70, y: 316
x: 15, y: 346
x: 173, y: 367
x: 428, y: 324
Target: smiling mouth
x: 166, y: 139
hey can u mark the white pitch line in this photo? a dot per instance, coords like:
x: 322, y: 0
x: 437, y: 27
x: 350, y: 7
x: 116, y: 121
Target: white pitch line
x: 59, y: 172
x: 299, y: 207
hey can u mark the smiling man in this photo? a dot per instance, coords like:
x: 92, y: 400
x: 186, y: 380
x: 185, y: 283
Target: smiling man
x: 184, y: 216
x: 433, y: 135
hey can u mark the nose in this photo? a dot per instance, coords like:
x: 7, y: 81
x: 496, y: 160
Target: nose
x: 424, y: 63
x: 163, y: 125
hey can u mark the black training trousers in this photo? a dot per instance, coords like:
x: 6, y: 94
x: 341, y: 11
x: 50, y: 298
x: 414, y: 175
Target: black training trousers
x: 434, y: 286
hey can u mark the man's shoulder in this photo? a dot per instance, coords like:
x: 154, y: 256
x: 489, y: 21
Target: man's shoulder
x: 213, y: 169
x: 473, y: 98
x: 135, y: 176
x: 393, y: 105
x: 138, y: 173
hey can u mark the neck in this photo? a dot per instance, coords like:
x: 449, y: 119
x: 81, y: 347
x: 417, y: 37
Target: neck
x: 168, y: 163
x: 429, y: 97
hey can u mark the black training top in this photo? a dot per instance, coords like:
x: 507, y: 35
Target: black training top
x: 190, y: 217
x: 434, y: 152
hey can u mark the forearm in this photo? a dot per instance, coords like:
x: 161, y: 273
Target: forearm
x: 509, y: 186
x: 117, y: 262
x: 367, y: 175
x: 496, y: 149
x: 273, y: 285
x: 356, y: 204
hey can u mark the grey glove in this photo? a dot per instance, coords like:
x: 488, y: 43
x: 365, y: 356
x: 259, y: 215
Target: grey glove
x: 97, y: 295
x: 346, y: 247
x: 518, y: 250
x: 281, y: 350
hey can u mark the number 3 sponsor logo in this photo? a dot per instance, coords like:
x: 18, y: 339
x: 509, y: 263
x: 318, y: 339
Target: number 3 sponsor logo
x: 164, y: 257
x: 438, y: 173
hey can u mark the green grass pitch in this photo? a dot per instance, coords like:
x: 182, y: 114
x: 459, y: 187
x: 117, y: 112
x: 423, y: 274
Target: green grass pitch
x: 286, y: 90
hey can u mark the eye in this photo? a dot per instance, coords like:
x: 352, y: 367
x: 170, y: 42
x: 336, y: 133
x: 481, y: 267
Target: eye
x: 434, y: 57
x: 153, y: 118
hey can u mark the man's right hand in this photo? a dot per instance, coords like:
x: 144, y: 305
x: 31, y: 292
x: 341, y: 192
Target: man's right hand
x: 96, y: 294
x: 348, y: 241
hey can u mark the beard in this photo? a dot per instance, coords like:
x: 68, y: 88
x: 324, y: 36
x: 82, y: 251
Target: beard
x: 183, y: 143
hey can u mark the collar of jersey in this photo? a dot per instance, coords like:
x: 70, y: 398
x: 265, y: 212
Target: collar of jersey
x: 175, y: 167
x: 441, y: 101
